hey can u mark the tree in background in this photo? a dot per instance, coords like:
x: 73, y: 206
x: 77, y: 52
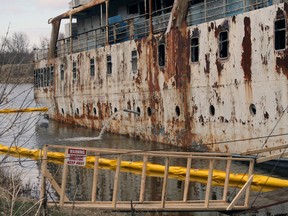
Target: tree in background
x: 15, y: 49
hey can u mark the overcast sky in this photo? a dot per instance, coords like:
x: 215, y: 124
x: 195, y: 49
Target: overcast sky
x: 30, y: 16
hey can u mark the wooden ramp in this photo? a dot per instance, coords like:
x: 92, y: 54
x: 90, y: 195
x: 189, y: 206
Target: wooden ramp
x: 224, y: 202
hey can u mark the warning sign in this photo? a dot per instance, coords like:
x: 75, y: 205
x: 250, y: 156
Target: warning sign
x: 76, y: 157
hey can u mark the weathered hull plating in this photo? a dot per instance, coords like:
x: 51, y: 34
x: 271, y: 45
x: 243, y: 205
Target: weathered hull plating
x: 184, y: 103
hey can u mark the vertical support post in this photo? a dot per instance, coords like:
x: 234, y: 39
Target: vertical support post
x: 64, y: 180
x: 107, y: 24
x: 250, y: 172
x: 116, y: 181
x: 150, y: 17
x: 43, y: 176
x: 95, y: 177
x: 209, y: 183
x: 226, y: 184
x: 143, y: 179
x: 187, y: 180
x: 71, y: 38
x: 164, y: 187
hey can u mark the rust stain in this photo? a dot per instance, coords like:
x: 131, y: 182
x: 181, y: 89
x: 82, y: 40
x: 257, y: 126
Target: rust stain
x: 247, y: 50
x: 222, y: 27
x: 219, y: 66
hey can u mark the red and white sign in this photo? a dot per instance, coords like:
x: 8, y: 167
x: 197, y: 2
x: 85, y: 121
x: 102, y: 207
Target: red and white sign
x: 76, y: 157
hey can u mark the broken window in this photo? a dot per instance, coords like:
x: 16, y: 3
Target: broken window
x: 109, y: 64
x: 161, y: 55
x: 134, y: 61
x: 136, y: 8
x: 92, y: 67
x: 223, y: 44
x: 44, y: 77
x: 195, y: 49
x: 74, y: 70
x: 51, y: 75
x: 280, y: 34
x: 62, y: 72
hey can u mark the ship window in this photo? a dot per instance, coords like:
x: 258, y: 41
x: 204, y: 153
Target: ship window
x: 137, y: 8
x: 45, y: 77
x: 195, y: 49
x: 134, y: 61
x: 62, y: 72
x: 37, y: 78
x: 161, y: 55
x: 51, y: 75
x: 109, y: 64
x: 280, y: 34
x: 92, y: 68
x: 223, y: 44
x: 74, y: 70
x: 48, y: 76
x: 41, y: 77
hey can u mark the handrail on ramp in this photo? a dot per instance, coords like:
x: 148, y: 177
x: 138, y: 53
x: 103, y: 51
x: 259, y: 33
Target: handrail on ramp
x: 169, y: 160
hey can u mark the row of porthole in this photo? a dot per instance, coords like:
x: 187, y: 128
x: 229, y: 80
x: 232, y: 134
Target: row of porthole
x: 252, y: 110
x: 138, y: 110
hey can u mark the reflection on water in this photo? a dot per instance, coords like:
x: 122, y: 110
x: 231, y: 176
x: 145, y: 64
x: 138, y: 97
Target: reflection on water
x: 26, y: 130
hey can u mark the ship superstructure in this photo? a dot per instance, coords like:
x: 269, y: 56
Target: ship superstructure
x: 197, y: 72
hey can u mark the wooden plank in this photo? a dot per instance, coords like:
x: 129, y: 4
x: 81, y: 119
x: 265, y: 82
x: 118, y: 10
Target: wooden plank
x: 209, y: 183
x: 187, y: 180
x: 257, y: 151
x: 64, y: 180
x: 95, y: 178
x: 271, y: 157
x: 250, y: 172
x: 116, y: 182
x: 55, y: 184
x: 164, y: 187
x: 43, y: 169
x: 143, y: 179
x: 238, y: 196
x: 227, y: 178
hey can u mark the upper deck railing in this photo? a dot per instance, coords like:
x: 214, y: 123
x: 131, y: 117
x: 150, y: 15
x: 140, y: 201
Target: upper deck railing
x: 199, y: 11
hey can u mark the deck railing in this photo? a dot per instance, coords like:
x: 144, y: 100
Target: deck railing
x: 139, y: 26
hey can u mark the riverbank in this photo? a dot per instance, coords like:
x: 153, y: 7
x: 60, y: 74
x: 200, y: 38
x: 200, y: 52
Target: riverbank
x: 17, y: 73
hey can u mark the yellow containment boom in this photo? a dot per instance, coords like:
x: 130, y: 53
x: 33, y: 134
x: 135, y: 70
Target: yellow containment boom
x: 36, y: 109
x: 260, y: 182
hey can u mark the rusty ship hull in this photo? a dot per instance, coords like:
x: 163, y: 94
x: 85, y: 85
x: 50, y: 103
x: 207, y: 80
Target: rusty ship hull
x: 219, y: 84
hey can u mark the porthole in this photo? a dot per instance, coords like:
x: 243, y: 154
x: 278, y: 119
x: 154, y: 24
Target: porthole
x: 94, y: 111
x: 252, y: 109
x: 177, y: 110
x: 149, y: 111
x: 115, y: 110
x: 62, y: 110
x: 139, y: 111
x: 212, y: 110
x: 266, y: 115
